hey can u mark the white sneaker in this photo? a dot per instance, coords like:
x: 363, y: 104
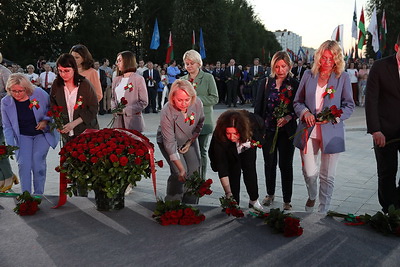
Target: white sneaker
x: 256, y: 206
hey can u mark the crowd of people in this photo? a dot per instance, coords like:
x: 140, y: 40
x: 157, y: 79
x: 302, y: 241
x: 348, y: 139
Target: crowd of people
x: 287, y: 98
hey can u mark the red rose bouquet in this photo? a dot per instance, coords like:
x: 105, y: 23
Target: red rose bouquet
x: 120, y: 108
x: 106, y: 160
x: 386, y: 224
x: 27, y: 205
x: 231, y: 207
x: 58, y: 117
x: 174, y: 212
x: 280, y: 111
x: 331, y: 114
x: 7, y: 151
x: 197, y: 186
x: 281, y: 222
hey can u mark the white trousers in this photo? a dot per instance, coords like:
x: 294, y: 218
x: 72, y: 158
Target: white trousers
x: 326, y: 173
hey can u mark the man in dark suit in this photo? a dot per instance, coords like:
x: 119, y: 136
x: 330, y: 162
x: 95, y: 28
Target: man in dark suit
x: 256, y: 73
x: 219, y: 76
x: 232, y: 75
x: 299, y: 70
x: 382, y: 108
x: 152, y: 78
x: 103, y: 81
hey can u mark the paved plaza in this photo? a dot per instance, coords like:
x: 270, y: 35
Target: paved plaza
x: 78, y: 235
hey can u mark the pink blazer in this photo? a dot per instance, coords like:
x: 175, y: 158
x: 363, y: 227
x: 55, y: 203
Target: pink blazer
x: 137, y: 101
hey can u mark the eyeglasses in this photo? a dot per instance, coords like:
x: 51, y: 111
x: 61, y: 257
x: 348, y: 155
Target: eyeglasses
x: 17, y: 91
x: 67, y: 71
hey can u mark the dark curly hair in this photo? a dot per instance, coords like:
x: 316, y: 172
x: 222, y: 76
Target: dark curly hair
x: 238, y: 119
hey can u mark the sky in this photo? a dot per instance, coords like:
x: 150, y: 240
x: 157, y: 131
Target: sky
x: 313, y: 20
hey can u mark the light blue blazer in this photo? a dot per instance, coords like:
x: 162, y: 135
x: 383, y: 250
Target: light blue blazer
x: 10, y: 118
x: 332, y: 134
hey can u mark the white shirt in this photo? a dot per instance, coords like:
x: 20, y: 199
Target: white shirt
x: 119, y: 90
x: 32, y: 77
x: 70, y: 99
x: 353, y: 75
x: 50, y: 79
x: 140, y: 70
x: 319, y: 103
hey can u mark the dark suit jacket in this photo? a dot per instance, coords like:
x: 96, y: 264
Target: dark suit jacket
x: 219, y: 75
x: 156, y: 77
x: 295, y: 72
x: 235, y: 76
x: 382, y: 102
x: 260, y: 73
x: 103, y: 79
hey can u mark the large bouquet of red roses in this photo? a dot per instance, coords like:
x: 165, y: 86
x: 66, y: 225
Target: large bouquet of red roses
x: 106, y: 160
x: 27, y: 204
x: 174, y: 212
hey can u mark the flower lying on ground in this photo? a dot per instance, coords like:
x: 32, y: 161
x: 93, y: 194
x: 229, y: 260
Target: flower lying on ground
x: 230, y: 206
x: 197, y: 186
x: 174, y: 212
x: 27, y: 205
x: 385, y: 223
x: 7, y: 151
x: 281, y: 222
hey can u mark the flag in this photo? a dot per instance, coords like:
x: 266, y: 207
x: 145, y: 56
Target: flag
x: 373, y: 29
x: 193, y: 40
x: 362, y: 33
x: 337, y: 35
x: 383, y: 32
x: 201, y: 44
x: 356, y: 51
x: 170, y: 49
x: 155, y: 40
x: 354, y: 23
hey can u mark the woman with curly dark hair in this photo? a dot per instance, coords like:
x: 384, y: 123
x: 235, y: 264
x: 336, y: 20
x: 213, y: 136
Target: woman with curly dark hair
x: 233, y: 150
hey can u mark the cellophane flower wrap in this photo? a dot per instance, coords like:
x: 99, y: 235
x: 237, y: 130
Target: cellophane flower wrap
x: 107, y: 159
x: 174, y: 212
x: 27, y: 204
x: 198, y: 186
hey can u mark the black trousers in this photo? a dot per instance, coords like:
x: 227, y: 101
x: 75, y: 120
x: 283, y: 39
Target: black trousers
x: 284, y: 147
x: 231, y: 92
x: 248, y: 166
x: 152, y: 94
x: 387, y: 162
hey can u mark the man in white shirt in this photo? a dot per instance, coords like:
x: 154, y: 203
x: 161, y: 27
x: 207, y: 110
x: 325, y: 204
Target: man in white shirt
x: 141, y: 68
x: 47, y: 78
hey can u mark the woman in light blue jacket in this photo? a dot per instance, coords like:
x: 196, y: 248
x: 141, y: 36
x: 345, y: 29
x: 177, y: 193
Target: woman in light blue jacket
x: 25, y: 124
x: 324, y: 86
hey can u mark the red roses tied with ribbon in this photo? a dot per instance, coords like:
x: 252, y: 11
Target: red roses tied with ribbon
x: 129, y: 87
x: 190, y: 119
x: 78, y: 103
x: 329, y: 91
x: 34, y: 103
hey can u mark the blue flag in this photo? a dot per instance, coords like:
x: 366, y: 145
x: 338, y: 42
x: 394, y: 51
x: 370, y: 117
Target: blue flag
x: 201, y: 45
x: 155, y: 40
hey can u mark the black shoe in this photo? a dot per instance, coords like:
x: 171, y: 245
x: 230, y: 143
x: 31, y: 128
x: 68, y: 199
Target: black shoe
x: 234, y: 105
x: 229, y: 106
x: 102, y: 112
x: 146, y: 112
x: 109, y: 111
x: 155, y: 111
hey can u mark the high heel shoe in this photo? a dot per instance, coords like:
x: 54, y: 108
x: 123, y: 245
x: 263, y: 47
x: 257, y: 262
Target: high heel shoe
x: 8, y: 185
x: 268, y: 200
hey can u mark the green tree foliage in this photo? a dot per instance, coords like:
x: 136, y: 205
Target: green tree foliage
x: 391, y: 8
x: 48, y: 28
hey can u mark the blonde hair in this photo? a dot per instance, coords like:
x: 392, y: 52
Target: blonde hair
x: 194, y: 56
x: 185, y: 86
x: 1, y: 57
x: 281, y: 55
x: 22, y: 80
x: 337, y: 53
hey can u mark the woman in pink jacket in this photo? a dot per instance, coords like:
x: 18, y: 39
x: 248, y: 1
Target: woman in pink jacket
x: 132, y: 87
